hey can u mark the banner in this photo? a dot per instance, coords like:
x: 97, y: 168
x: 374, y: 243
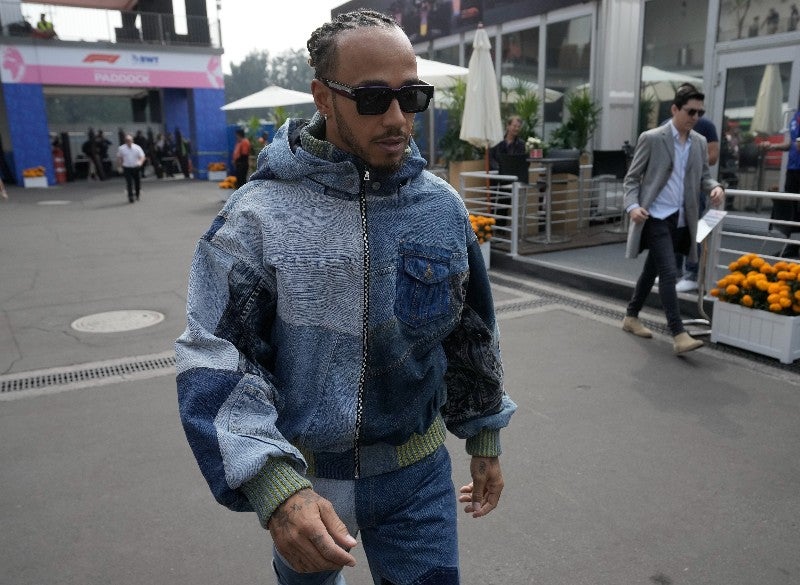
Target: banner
x: 91, y: 66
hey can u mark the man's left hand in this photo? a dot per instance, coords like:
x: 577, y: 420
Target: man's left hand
x: 717, y: 196
x: 483, y: 492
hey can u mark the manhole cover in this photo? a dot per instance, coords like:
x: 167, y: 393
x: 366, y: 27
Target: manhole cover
x: 54, y: 202
x: 113, y: 321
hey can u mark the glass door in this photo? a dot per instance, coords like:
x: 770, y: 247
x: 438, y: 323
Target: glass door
x: 755, y: 98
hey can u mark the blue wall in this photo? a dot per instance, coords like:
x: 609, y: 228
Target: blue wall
x: 198, y: 115
x: 196, y: 112
x: 209, y: 143
x: 30, y: 139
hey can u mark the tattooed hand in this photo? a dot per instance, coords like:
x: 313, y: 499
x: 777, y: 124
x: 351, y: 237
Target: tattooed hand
x: 309, y: 535
x: 483, y: 493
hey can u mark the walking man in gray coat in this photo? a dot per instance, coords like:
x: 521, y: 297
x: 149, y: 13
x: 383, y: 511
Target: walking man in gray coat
x: 669, y: 168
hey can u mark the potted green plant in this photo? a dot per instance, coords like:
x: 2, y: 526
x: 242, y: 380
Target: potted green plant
x: 647, y: 107
x: 583, y: 117
x: 524, y: 102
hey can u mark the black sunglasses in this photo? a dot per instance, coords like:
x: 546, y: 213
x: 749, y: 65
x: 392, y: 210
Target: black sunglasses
x: 694, y: 111
x: 374, y: 100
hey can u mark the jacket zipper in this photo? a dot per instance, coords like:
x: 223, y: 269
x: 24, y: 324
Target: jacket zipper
x: 362, y: 204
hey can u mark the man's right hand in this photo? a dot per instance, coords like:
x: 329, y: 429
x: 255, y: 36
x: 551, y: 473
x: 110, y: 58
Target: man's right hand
x: 310, y: 535
x: 639, y: 215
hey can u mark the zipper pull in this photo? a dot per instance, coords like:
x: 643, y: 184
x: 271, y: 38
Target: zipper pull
x: 366, y: 175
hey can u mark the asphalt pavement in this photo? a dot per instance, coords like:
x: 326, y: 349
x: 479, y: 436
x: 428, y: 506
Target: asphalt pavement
x: 623, y: 465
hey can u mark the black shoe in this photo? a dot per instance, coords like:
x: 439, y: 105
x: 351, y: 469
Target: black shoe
x: 137, y: 197
x: 130, y: 199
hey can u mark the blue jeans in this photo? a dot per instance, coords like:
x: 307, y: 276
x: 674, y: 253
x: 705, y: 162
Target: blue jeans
x: 662, y: 238
x: 407, y: 521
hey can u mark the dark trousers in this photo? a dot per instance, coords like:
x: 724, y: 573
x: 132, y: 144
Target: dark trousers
x: 132, y: 181
x: 242, y: 166
x: 788, y: 210
x: 662, y: 238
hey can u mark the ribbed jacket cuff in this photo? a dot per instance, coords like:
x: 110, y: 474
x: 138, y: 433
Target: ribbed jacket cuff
x: 272, y: 486
x: 485, y: 444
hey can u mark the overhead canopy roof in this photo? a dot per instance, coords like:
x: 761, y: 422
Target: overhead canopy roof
x: 102, y: 4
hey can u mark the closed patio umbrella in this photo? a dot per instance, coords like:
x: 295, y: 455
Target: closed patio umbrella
x: 481, y: 124
x: 768, y: 113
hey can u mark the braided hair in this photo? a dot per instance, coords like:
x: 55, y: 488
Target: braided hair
x: 322, y: 43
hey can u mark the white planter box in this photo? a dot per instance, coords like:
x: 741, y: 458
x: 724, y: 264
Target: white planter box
x: 760, y: 331
x: 217, y: 175
x: 486, y: 251
x: 34, y: 182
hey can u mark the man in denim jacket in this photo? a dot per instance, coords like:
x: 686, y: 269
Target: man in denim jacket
x: 339, y: 319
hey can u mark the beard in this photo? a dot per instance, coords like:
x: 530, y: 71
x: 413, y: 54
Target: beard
x: 352, y: 145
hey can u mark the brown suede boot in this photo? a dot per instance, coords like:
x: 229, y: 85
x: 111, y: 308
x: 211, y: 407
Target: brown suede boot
x: 684, y: 342
x: 633, y: 325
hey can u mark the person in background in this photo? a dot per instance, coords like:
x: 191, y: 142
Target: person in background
x: 44, y: 28
x: 183, y: 148
x: 141, y: 140
x: 241, y: 157
x: 511, y: 143
x: 340, y: 318
x: 783, y: 209
x: 689, y: 269
x: 3, y: 192
x: 794, y: 18
x: 94, y: 163
x: 669, y: 167
x: 130, y: 157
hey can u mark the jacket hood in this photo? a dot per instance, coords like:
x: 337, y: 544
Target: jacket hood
x: 300, y: 151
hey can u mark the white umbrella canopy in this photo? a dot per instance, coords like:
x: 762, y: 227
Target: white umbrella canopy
x: 441, y: 75
x: 768, y: 113
x: 511, y: 84
x: 481, y: 124
x: 270, y: 97
x: 660, y: 84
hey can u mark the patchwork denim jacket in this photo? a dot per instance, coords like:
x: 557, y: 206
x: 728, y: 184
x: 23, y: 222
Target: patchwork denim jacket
x: 337, y: 321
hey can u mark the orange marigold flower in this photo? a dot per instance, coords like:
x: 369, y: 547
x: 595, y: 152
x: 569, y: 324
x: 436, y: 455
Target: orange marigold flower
x: 757, y: 262
x: 714, y: 292
x: 785, y: 302
x: 747, y: 301
x: 732, y: 289
x: 775, y: 308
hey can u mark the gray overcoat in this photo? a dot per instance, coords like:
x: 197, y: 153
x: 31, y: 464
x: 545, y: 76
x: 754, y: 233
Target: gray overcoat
x: 649, y: 172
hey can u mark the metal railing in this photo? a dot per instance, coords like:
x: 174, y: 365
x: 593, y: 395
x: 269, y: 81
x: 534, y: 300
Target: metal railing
x: 112, y: 26
x: 744, y: 233
x: 549, y: 209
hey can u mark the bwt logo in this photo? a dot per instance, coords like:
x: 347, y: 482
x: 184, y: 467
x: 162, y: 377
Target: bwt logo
x: 100, y: 58
x: 145, y: 59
